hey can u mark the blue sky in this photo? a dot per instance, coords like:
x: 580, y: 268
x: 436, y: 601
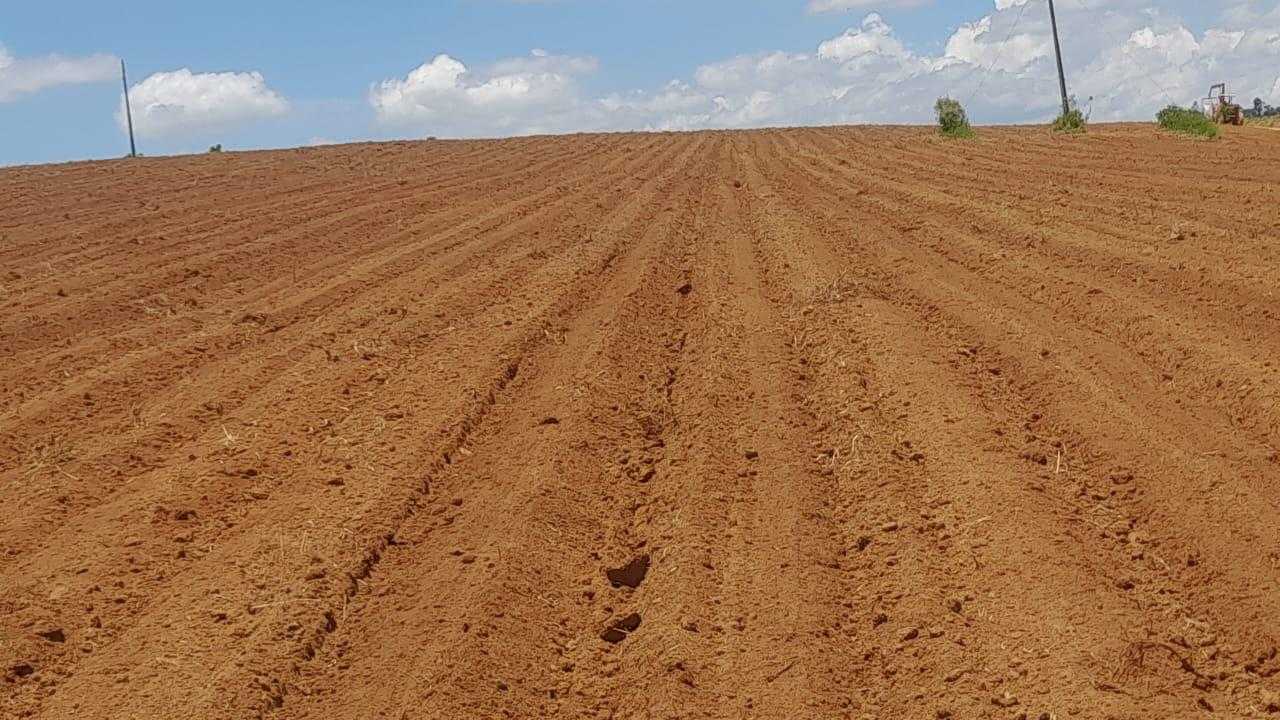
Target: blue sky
x: 340, y: 71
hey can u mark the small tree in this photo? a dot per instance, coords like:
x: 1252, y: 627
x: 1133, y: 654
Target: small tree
x: 216, y: 148
x: 952, y: 119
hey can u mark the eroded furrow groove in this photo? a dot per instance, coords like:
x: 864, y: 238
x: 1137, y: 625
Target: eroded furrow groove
x: 276, y: 687
x: 795, y: 275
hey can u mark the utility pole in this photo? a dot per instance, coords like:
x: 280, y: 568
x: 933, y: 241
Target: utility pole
x: 1057, y: 48
x: 128, y: 112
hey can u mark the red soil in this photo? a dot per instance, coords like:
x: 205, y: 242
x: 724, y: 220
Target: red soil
x: 903, y: 428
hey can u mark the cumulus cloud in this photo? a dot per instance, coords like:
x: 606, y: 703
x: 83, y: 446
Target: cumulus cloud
x: 185, y: 104
x: 519, y: 95
x: 971, y: 44
x: 1167, y: 63
x: 21, y: 76
x: 873, y: 38
x: 1133, y: 60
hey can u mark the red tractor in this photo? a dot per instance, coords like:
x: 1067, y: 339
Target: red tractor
x: 1221, y: 107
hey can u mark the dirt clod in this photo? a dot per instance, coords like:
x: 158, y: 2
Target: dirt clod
x: 629, y: 623
x: 1005, y: 700
x: 631, y: 574
x: 621, y: 628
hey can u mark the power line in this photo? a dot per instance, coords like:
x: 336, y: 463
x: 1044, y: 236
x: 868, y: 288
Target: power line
x: 1000, y: 50
x: 1113, y: 39
x: 986, y: 74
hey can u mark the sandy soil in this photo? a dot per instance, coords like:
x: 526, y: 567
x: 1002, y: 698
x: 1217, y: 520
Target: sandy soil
x: 830, y: 423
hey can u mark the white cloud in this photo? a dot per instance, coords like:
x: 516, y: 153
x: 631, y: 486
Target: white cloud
x: 184, y: 104
x: 521, y: 95
x: 874, y: 37
x: 1164, y: 62
x: 1130, y: 59
x: 20, y: 76
x: 971, y: 44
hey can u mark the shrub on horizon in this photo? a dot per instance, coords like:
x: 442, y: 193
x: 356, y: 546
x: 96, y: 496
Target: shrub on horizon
x: 1187, y: 122
x: 952, y: 119
x: 1072, y: 122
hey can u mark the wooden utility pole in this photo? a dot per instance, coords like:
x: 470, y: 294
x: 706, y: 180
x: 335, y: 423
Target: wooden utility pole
x: 128, y: 112
x: 1057, y: 49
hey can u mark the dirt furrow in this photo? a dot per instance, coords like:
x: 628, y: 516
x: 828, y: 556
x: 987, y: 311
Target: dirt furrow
x: 207, y: 189
x: 1135, y: 516
x: 283, y: 610
x: 135, y: 430
x: 1195, y: 343
x: 500, y: 580
x: 813, y: 423
x: 179, y: 284
x: 1174, y: 240
x: 221, y: 451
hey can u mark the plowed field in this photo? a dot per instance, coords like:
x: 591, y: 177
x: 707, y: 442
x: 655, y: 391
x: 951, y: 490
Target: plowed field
x: 823, y: 423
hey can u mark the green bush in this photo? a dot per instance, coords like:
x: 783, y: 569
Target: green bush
x: 1072, y: 122
x: 1189, y: 122
x: 216, y: 148
x: 952, y: 119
